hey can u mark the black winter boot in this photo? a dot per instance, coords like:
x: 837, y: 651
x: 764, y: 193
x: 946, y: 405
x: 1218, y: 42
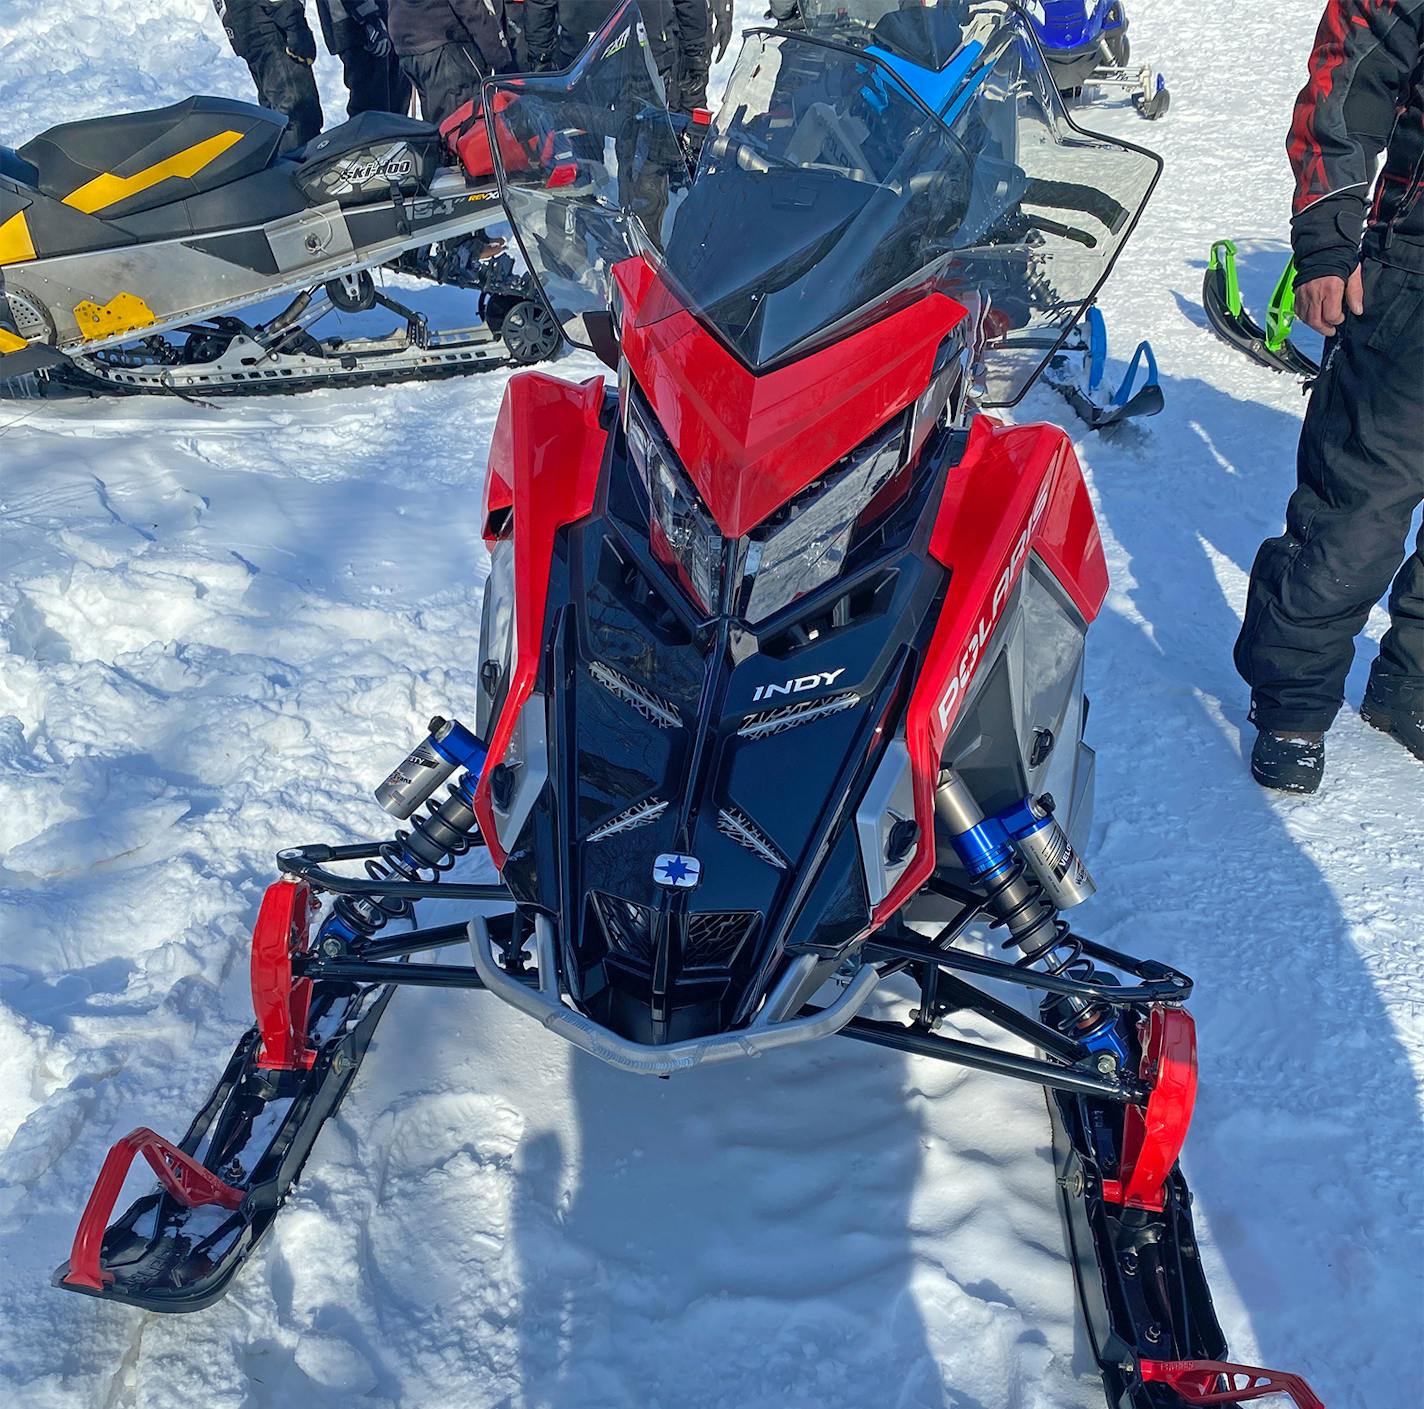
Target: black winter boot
x: 1294, y: 763
x: 1395, y: 713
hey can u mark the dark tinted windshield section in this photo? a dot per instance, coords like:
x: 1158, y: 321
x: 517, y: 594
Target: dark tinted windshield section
x: 823, y: 186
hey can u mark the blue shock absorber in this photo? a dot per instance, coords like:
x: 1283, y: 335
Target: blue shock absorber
x: 989, y: 848
x: 440, y: 834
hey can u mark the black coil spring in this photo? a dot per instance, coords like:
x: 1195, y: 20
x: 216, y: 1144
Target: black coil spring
x: 365, y: 914
x: 1061, y: 951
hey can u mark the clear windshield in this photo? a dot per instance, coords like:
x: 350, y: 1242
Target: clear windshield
x: 828, y: 192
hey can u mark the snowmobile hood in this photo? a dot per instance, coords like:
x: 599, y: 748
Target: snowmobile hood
x: 750, y: 442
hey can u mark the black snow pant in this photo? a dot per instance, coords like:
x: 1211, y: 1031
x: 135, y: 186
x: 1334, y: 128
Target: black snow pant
x: 1360, y: 473
x: 446, y: 78
x: 374, y: 85
x: 284, y: 84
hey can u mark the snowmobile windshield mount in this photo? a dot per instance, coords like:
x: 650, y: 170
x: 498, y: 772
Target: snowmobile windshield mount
x: 829, y: 192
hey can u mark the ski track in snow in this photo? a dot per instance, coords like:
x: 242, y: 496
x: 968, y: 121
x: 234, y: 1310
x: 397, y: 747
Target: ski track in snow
x: 218, y: 629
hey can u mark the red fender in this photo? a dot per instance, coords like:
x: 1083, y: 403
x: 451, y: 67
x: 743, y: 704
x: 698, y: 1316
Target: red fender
x: 1018, y: 491
x: 545, y: 458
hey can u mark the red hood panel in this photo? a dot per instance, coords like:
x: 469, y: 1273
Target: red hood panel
x: 752, y: 442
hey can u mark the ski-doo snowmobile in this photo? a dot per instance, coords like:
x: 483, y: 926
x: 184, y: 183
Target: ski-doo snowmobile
x: 1228, y: 318
x: 1086, y: 45
x: 780, y: 713
x: 134, y: 251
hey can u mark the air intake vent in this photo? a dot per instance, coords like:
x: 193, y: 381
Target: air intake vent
x: 641, y: 814
x: 777, y: 721
x: 627, y: 927
x: 652, y: 707
x: 714, y: 938
x: 733, y: 822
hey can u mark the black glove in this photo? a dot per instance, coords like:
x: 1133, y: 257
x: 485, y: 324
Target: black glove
x: 291, y: 19
x: 378, y: 40
x: 721, y: 28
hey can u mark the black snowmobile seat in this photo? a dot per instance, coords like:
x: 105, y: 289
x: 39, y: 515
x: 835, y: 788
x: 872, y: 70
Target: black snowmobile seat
x: 110, y: 167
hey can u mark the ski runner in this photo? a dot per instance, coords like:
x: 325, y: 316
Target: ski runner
x: 1360, y: 466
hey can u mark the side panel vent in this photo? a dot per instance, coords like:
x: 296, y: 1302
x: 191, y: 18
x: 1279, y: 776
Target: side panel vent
x: 776, y: 721
x: 652, y: 707
x: 734, y: 823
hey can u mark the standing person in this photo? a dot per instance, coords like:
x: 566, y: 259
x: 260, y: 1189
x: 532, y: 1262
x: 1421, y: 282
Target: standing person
x: 275, y: 41
x: 355, y: 32
x: 1360, y: 466
x: 557, y: 32
x: 448, y: 48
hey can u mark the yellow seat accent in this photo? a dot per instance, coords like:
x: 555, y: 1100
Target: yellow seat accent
x: 10, y: 342
x: 107, y: 190
x: 124, y: 313
x: 15, y: 242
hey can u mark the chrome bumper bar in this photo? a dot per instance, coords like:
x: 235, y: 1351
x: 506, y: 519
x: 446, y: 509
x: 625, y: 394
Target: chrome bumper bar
x: 764, y: 1035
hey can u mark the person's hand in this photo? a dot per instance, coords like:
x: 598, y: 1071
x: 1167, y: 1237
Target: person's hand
x: 377, y: 42
x: 1322, y: 303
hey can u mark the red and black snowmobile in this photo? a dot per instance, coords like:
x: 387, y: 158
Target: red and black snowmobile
x: 781, y: 679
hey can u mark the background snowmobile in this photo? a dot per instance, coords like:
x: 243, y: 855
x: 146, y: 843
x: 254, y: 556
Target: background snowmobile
x: 1086, y: 45
x: 1228, y: 318
x: 134, y: 250
x: 714, y: 579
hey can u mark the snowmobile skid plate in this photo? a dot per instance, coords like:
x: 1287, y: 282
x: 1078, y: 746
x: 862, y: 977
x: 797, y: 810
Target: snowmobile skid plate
x: 1227, y: 317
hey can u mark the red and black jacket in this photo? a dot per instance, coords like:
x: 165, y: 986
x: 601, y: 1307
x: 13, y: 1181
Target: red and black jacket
x: 1365, y: 95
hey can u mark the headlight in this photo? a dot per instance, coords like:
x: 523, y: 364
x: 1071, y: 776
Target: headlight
x: 684, y: 535
x: 809, y: 547
x: 802, y: 547
x: 496, y: 637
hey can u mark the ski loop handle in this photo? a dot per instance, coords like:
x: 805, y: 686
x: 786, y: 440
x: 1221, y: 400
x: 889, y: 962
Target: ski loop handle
x: 1199, y: 1382
x: 179, y: 1173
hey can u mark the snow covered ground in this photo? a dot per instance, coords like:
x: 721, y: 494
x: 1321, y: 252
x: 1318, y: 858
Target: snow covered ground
x: 218, y: 628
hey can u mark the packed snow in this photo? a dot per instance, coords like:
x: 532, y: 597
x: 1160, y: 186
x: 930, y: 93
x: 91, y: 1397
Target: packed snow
x: 219, y: 627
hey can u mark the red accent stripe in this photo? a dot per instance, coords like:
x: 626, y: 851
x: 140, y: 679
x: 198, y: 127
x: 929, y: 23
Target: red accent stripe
x: 1331, y: 52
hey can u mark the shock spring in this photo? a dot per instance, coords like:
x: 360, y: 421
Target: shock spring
x: 424, y: 853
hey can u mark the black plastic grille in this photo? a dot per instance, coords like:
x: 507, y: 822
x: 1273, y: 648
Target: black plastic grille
x: 627, y: 927
x: 715, y: 936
